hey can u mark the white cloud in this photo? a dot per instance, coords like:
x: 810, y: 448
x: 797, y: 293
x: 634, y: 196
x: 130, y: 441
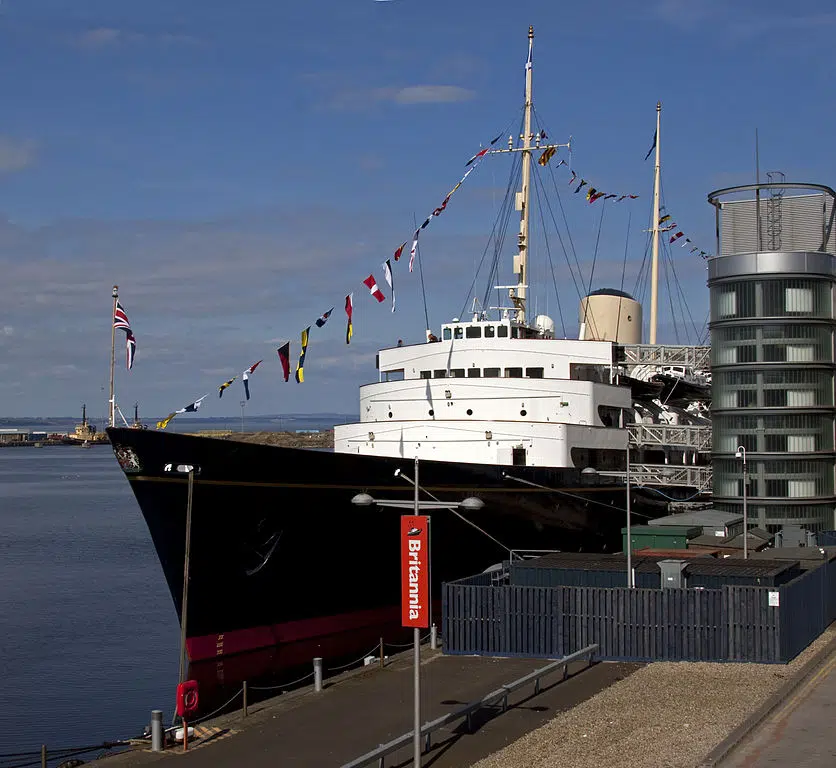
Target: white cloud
x: 108, y: 37
x: 431, y: 94
x: 361, y: 98
x: 99, y: 37
x: 16, y: 154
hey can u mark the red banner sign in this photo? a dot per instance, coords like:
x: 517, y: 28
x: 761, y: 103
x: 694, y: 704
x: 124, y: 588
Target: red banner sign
x: 415, y: 571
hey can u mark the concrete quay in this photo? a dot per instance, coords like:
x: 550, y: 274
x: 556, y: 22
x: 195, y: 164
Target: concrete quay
x: 797, y: 730
x: 661, y: 715
x: 357, y: 711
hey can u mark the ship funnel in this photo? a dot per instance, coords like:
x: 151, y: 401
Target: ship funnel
x: 609, y: 314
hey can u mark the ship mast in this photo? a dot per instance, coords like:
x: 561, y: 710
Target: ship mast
x: 112, y: 402
x: 654, y: 271
x: 518, y: 295
x: 530, y: 143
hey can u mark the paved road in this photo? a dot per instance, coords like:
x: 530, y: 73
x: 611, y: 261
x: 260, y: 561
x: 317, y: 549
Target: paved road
x: 354, y: 715
x: 801, y: 733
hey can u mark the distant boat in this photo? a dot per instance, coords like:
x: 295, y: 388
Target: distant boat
x: 85, y: 444
x: 86, y: 432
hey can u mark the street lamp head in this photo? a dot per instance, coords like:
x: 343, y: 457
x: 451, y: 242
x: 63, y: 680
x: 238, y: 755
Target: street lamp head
x: 362, y: 500
x: 397, y: 472
x: 589, y: 471
x: 740, y: 453
x: 472, y: 504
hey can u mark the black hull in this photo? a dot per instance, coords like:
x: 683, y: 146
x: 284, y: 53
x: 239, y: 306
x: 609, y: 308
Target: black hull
x: 279, y: 553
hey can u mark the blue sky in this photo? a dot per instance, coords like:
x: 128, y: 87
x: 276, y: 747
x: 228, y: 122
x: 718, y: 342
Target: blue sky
x: 237, y: 168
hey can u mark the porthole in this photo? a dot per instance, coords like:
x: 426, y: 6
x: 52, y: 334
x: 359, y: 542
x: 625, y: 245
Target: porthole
x: 469, y: 412
x: 523, y: 412
x: 431, y: 412
x: 390, y: 414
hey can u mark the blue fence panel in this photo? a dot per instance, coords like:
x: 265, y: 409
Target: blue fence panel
x: 804, y: 608
x: 482, y: 614
x: 753, y: 625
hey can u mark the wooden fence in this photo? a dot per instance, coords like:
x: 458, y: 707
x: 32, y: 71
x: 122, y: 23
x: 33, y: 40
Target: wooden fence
x: 733, y: 623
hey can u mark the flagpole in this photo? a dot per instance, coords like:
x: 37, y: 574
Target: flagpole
x: 112, y: 409
x: 654, y: 273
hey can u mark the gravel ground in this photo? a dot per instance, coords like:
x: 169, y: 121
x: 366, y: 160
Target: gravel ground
x: 665, y: 715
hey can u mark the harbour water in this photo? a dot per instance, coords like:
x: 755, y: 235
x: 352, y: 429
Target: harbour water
x: 88, y: 632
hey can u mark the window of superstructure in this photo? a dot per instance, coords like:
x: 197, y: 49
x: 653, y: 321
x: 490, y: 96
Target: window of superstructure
x: 515, y: 332
x: 491, y: 373
x: 473, y: 332
x: 490, y: 331
x: 440, y: 374
x: 426, y: 374
x: 447, y: 334
x: 458, y: 332
x: 502, y: 331
x: 457, y: 373
x: 534, y: 373
x: 473, y: 373
x: 513, y: 373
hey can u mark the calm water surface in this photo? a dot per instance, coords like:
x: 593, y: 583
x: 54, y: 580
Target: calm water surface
x: 88, y: 632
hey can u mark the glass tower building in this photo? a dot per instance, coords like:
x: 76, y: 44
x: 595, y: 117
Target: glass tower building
x: 772, y: 287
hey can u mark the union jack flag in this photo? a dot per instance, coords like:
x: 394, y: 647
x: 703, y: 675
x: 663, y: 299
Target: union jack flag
x: 120, y: 318
x: 130, y: 349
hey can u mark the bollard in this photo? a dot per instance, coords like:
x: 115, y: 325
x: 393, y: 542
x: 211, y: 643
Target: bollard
x: 317, y: 674
x: 245, y: 698
x: 434, y: 637
x: 156, y: 730
x: 43, y: 755
x: 381, y: 652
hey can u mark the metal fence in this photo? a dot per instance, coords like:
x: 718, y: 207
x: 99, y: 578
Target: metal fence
x: 497, y: 697
x: 484, y: 616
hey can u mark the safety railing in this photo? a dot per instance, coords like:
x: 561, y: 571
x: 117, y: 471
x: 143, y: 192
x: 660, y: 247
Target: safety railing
x: 499, y: 696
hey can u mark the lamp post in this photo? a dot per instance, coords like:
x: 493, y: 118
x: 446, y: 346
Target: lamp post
x: 741, y: 454
x: 473, y: 504
x: 591, y: 472
x: 629, y: 528
x: 190, y: 470
x: 243, y: 404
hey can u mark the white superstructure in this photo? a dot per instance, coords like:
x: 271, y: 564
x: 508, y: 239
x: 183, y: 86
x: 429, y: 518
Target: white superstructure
x: 494, y: 392
x: 500, y: 392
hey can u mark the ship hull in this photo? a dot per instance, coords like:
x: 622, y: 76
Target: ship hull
x: 279, y: 554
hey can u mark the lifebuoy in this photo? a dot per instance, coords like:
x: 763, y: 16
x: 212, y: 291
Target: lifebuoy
x: 190, y: 699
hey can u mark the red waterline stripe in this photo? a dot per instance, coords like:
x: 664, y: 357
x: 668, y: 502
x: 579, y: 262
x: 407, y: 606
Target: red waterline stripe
x: 240, y: 640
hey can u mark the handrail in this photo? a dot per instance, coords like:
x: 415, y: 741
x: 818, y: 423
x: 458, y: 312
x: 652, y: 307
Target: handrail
x: 500, y: 694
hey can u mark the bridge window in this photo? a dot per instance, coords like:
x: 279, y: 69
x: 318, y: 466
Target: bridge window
x: 490, y: 331
x: 502, y: 331
x: 610, y: 415
x: 457, y: 373
x: 440, y: 374
x: 515, y: 332
x: 426, y: 374
x: 492, y: 373
x: 447, y: 334
x: 534, y: 373
x: 458, y: 333
x: 473, y: 373
x: 473, y: 332
x: 513, y: 373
